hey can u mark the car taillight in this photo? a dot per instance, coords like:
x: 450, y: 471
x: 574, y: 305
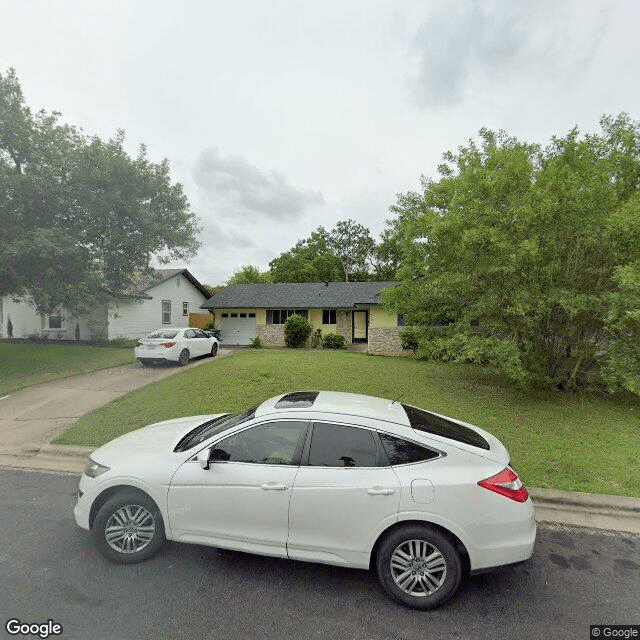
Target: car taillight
x: 507, y: 484
x: 168, y: 345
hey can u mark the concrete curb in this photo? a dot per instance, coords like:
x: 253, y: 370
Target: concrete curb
x: 614, y: 513
x: 571, y: 508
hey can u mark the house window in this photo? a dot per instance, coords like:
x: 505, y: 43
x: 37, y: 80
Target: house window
x: 401, y: 322
x: 166, y: 312
x: 185, y: 308
x: 328, y: 316
x: 54, y: 321
x: 243, y: 315
x: 177, y: 281
x: 279, y: 316
x: 234, y: 315
x: 252, y: 315
x: 225, y: 315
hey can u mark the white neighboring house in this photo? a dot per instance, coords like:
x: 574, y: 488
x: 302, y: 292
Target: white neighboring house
x: 167, y: 299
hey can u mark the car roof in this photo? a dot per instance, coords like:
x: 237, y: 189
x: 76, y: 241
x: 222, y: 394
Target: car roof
x: 336, y: 402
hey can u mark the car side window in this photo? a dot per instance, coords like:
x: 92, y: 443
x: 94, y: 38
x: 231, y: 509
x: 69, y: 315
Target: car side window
x: 402, y: 451
x: 189, y: 333
x: 268, y: 443
x: 335, y: 445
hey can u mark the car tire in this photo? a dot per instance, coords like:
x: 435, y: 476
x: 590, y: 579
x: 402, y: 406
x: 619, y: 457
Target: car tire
x: 214, y: 350
x: 419, y: 567
x: 142, y: 362
x: 128, y: 528
x: 184, y: 357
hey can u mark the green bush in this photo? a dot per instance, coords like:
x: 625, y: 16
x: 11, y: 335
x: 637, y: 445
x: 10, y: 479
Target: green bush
x: 296, y: 331
x: 333, y: 341
x: 256, y: 343
x: 209, y: 326
x: 410, y: 339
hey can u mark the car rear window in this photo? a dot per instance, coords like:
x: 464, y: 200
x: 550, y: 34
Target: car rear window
x: 163, y: 334
x: 401, y: 451
x: 297, y: 400
x: 422, y: 420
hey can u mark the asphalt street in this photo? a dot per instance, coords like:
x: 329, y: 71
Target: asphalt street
x: 50, y: 570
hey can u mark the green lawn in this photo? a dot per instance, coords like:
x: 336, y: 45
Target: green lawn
x: 23, y: 365
x: 568, y: 442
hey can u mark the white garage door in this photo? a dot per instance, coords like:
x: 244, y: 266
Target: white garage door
x: 238, y: 330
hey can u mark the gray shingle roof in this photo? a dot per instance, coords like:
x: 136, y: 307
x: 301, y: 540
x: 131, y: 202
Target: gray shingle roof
x: 298, y: 295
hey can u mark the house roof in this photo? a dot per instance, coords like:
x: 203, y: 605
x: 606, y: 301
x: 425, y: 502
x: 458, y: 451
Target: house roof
x: 298, y: 295
x: 144, y: 283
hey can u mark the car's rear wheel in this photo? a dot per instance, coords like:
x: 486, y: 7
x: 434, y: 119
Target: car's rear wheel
x: 419, y: 567
x: 214, y: 350
x: 183, y: 359
x: 128, y: 528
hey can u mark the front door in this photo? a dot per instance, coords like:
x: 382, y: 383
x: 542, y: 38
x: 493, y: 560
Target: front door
x: 360, y: 322
x: 243, y: 502
x: 342, y: 500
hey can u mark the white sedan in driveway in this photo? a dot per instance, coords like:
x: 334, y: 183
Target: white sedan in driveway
x: 175, y: 345
x: 329, y: 477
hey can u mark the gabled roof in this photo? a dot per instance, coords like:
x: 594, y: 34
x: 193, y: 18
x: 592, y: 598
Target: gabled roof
x: 298, y: 295
x: 144, y: 283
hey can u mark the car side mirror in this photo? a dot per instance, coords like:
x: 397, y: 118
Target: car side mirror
x: 203, y: 458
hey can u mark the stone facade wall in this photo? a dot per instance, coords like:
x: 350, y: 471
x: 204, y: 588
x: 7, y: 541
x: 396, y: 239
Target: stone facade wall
x: 343, y: 325
x: 386, y: 342
x: 271, y: 335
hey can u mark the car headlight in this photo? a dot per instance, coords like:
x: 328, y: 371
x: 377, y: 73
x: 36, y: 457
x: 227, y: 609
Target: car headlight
x: 94, y: 469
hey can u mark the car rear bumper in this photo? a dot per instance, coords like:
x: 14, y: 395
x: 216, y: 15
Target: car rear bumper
x: 504, y: 540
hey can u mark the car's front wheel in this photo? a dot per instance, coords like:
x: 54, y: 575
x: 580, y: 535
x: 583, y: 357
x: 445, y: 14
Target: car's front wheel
x: 128, y: 528
x: 183, y: 359
x: 419, y: 567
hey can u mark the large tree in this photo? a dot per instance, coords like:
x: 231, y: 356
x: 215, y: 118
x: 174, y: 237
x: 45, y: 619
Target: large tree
x: 80, y: 218
x: 344, y: 253
x: 527, y: 257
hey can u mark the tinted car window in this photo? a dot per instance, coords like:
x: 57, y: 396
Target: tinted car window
x: 334, y: 445
x: 270, y: 443
x: 402, y: 451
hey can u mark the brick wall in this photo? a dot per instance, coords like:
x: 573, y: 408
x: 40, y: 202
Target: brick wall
x: 271, y: 335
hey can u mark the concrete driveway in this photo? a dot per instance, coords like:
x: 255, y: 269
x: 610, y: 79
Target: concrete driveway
x: 31, y: 418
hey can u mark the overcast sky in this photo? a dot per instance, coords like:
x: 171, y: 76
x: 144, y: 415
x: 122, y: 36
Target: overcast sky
x: 281, y: 115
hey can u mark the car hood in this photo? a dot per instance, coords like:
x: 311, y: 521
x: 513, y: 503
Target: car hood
x: 155, y: 438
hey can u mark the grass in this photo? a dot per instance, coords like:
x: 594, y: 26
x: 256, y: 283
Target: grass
x: 24, y: 365
x: 568, y: 442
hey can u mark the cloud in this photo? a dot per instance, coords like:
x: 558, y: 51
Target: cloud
x: 234, y: 188
x: 464, y: 41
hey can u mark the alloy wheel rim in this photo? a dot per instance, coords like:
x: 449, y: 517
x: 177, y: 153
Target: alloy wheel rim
x: 418, y: 568
x: 130, y: 529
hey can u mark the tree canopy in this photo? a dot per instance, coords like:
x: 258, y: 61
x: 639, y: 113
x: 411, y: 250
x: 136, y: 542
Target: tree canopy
x: 344, y: 253
x: 248, y: 274
x: 79, y: 217
x: 527, y: 257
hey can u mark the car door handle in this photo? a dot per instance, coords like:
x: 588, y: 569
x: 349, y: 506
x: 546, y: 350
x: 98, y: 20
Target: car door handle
x: 274, y: 486
x: 380, y: 491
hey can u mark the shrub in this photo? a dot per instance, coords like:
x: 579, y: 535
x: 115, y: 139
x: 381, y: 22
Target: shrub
x: 256, y: 343
x: 333, y: 341
x: 296, y: 331
x: 410, y: 339
x: 209, y: 326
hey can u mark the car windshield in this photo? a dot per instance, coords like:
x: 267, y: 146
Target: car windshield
x: 163, y: 334
x: 210, y: 428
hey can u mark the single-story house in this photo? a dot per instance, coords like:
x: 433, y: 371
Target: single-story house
x: 171, y: 297
x: 351, y: 309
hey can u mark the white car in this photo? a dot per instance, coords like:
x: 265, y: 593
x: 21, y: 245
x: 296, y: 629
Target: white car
x: 328, y: 477
x: 175, y: 345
